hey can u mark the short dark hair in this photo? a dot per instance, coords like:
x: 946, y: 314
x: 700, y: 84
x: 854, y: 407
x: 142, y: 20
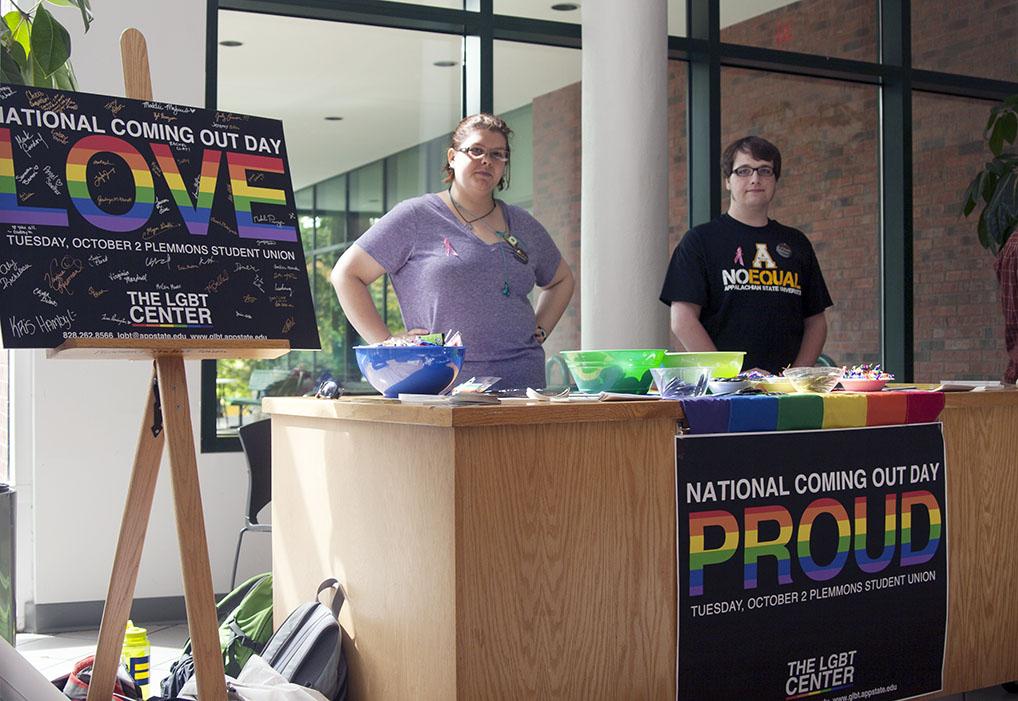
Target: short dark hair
x: 476, y: 122
x: 759, y: 148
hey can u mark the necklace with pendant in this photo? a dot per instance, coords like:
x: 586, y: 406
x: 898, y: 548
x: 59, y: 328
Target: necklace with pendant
x: 469, y: 222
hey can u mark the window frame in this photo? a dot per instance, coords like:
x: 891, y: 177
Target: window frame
x: 705, y: 54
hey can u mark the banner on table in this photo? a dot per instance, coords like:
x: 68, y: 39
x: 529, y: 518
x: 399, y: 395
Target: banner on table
x: 125, y: 219
x: 812, y: 564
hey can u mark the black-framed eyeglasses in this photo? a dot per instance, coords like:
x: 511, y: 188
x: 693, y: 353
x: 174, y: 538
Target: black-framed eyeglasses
x: 478, y: 152
x: 746, y: 171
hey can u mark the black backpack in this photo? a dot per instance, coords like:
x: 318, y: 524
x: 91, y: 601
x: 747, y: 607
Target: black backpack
x: 308, y: 648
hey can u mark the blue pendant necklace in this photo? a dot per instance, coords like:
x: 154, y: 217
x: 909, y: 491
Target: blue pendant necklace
x: 504, y: 235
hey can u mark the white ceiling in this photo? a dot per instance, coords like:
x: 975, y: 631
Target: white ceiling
x: 382, y: 81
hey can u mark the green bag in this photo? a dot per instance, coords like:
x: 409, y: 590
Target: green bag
x: 245, y: 625
x: 248, y: 625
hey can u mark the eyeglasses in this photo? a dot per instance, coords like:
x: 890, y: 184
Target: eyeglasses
x: 478, y: 152
x: 746, y: 171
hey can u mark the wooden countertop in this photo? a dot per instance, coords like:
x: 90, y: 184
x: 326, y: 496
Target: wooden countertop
x: 380, y: 410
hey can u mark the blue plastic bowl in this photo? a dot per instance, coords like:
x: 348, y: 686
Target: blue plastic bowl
x: 393, y: 370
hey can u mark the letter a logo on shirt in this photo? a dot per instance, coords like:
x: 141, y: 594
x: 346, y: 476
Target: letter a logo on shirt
x: 763, y: 259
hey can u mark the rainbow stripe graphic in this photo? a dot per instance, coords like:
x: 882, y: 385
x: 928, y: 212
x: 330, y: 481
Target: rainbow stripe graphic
x: 755, y: 548
x: 196, y: 215
x: 173, y: 326
x: 10, y: 212
x: 244, y: 195
x: 698, y: 556
x: 77, y: 186
x: 817, y: 508
x: 819, y: 691
x: 862, y: 557
x: 908, y: 501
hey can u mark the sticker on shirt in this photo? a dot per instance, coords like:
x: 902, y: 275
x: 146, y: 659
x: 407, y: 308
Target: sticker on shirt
x: 763, y: 275
x: 449, y: 250
x: 738, y: 257
x: 514, y: 243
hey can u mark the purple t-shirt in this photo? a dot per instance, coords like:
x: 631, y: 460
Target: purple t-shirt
x: 448, y: 279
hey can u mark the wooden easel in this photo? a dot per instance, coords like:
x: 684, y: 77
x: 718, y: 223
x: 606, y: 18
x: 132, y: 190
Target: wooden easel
x: 169, y: 387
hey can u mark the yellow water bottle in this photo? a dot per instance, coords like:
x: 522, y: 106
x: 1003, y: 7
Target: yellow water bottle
x: 135, y: 655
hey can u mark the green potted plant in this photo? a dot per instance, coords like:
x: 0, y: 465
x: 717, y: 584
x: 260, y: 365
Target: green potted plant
x: 35, y: 47
x: 996, y: 188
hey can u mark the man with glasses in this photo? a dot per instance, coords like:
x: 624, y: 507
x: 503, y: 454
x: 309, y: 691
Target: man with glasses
x: 744, y: 281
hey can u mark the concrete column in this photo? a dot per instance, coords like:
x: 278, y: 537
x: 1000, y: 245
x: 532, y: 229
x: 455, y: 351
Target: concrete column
x: 624, y: 207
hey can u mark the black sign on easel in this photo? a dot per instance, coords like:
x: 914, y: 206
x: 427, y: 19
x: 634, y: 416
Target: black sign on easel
x: 127, y: 219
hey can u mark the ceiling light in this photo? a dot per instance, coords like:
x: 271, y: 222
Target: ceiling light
x: 566, y: 6
x: 445, y: 64
x: 231, y: 43
x: 333, y: 118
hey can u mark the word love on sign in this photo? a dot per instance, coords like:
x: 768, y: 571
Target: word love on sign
x: 127, y: 219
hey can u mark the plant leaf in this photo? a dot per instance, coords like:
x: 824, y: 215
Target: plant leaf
x: 51, y: 44
x: 37, y: 75
x: 990, y: 179
x: 971, y: 196
x: 10, y: 71
x: 60, y: 3
x: 984, y: 238
x: 21, y: 29
x: 62, y: 78
x: 86, y: 12
x: 1002, y: 210
x: 1008, y: 126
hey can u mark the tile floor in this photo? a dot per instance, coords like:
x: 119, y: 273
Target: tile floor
x: 53, y: 655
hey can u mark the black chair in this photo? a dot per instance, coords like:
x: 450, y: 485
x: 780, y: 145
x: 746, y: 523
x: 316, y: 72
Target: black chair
x: 256, y: 440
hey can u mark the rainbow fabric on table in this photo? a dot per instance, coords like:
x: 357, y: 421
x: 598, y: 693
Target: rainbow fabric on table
x: 796, y: 412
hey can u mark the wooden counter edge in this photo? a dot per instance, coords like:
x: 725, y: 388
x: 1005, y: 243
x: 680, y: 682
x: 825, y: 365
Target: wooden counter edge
x: 390, y: 411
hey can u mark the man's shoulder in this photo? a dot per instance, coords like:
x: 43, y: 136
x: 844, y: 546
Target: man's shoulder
x: 779, y: 228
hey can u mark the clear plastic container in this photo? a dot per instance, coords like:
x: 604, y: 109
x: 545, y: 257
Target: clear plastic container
x: 818, y: 380
x: 677, y: 383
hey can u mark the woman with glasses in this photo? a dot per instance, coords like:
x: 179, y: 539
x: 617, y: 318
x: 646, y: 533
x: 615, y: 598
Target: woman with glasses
x: 462, y: 260
x: 745, y: 282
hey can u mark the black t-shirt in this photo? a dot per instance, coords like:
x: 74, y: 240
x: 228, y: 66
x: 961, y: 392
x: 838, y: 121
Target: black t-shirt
x: 755, y: 285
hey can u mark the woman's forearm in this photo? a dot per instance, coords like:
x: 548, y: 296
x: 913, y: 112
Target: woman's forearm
x: 553, y: 299
x: 355, y: 298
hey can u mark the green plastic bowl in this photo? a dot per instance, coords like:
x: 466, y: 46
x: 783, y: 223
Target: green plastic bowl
x: 721, y: 363
x: 613, y: 370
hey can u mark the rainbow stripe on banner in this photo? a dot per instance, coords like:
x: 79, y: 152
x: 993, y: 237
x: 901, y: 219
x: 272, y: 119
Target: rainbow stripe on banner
x: 173, y: 326
x: 875, y: 564
x: 196, y: 215
x: 699, y: 556
x: 909, y: 556
x: 77, y: 185
x: 10, y: 212
x: 820, y: 507
x: 244, y: 194
x: 819, y: 691
x: 755, y: 548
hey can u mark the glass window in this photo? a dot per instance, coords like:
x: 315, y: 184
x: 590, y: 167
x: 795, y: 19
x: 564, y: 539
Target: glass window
x: 973, y: 38
x: 330, y: 212
x: 828, y: 135
x: 959, y: 330
x: 837, y: 28
x: 537, y: 91
x: 391, y: 111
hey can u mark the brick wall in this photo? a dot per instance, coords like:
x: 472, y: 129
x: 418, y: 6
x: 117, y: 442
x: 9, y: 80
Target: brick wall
x: 828, y: 135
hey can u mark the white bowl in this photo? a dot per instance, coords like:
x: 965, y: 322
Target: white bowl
x: 727, y: 386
